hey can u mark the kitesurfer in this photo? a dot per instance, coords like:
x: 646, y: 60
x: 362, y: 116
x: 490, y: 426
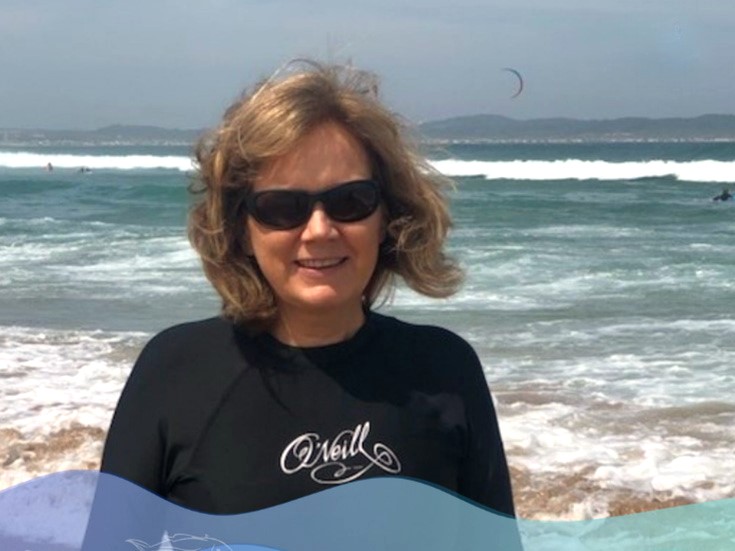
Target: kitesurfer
x: 724, y: 196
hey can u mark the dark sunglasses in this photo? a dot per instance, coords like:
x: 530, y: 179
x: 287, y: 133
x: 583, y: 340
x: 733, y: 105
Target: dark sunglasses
x: 285, y: 209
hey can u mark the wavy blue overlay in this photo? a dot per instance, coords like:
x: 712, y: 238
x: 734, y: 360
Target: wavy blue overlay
x: 89, y: 511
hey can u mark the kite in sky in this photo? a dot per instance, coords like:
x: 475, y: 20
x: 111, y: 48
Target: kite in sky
x: 520, y: 81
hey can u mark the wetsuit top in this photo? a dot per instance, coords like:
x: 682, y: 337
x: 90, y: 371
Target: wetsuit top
x: 223, y: 422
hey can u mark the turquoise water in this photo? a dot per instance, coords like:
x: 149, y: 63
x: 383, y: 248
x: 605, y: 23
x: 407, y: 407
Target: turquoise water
x: 601, y: 305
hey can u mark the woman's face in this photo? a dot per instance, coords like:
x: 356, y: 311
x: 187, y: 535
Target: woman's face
x: 322, y: 266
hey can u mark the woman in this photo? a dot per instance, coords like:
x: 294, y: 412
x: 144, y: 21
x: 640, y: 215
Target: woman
x: 312, y: 204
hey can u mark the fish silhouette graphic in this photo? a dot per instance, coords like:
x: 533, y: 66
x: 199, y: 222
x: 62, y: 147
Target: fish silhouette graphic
x: 181, y: 542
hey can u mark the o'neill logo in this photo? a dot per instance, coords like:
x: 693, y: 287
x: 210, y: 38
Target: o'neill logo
x: 339, y: 460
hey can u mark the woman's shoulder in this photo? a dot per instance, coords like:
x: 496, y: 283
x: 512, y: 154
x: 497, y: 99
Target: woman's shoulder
x: 429, y: 337
x: 194, y: 343
x: 432, y: 353
x: 403, y: 328
x: 193, y: 332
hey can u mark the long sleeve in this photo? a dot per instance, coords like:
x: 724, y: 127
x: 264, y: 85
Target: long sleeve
x: 133, y: 452
x: 135, y: 448
x: 484, y: 476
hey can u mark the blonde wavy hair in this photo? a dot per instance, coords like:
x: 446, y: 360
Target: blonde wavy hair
x: 267, y: 122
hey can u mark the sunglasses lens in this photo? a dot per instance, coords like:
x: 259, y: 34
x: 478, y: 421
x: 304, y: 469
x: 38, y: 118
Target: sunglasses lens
x: 286, y: 209
x: 352, y: 202
x: 281, y: 208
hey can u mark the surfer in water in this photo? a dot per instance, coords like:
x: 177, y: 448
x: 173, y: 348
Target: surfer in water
x: 724, y: 196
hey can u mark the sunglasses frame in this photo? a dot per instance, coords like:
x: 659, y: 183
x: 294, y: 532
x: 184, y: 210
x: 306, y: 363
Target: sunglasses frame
x: 312, y: 198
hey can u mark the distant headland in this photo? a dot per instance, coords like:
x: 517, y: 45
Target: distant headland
x: 473, y: 128
x: 495, y: 128
x: 109, y: 135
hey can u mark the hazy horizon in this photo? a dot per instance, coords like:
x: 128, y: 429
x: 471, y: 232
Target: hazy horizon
x: 194, y: 129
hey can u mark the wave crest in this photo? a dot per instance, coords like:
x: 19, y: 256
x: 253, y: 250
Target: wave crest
x: 26, y: 159
x: 577, y: 169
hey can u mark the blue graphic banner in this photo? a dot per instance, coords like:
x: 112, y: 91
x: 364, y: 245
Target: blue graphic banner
x: 85, y: 510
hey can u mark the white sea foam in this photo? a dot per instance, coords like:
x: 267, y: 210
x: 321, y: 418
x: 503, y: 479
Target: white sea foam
x: 675, y: 455
x: 61, y: 376
x: 671, y: 367
x: 588, y: 231
x: 569, y: 169
x: 576, y: 169
x: 121, y: 258
x: 24, y: 159
x: 58, y: 389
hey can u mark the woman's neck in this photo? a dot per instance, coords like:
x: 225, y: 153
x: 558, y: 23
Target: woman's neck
x: 316, y: 329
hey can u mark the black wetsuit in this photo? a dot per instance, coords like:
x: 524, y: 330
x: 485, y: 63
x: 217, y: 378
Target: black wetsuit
x: 223, y: 422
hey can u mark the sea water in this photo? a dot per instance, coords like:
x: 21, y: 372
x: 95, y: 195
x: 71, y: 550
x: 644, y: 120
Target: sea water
x: 599, y: 294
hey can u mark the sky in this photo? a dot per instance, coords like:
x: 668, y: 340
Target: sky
x: 84, y: 64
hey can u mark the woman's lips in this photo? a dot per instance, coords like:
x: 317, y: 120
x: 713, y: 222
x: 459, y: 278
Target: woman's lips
x: 320, y: 263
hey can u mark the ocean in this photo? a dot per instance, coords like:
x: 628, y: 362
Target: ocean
x: 600, y: 295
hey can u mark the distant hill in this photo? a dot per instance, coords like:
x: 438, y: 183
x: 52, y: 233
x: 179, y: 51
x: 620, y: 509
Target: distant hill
x: 492, y: 128
x: 498, y: 128
x: 109, y: 135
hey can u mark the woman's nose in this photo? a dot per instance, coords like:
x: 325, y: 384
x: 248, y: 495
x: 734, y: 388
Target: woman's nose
x: 319, y: 225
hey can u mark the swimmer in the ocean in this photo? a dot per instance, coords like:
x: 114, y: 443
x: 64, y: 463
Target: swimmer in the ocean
x: 724, y: 196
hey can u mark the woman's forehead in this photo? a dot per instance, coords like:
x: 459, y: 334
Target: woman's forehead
x: 328, y: 151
